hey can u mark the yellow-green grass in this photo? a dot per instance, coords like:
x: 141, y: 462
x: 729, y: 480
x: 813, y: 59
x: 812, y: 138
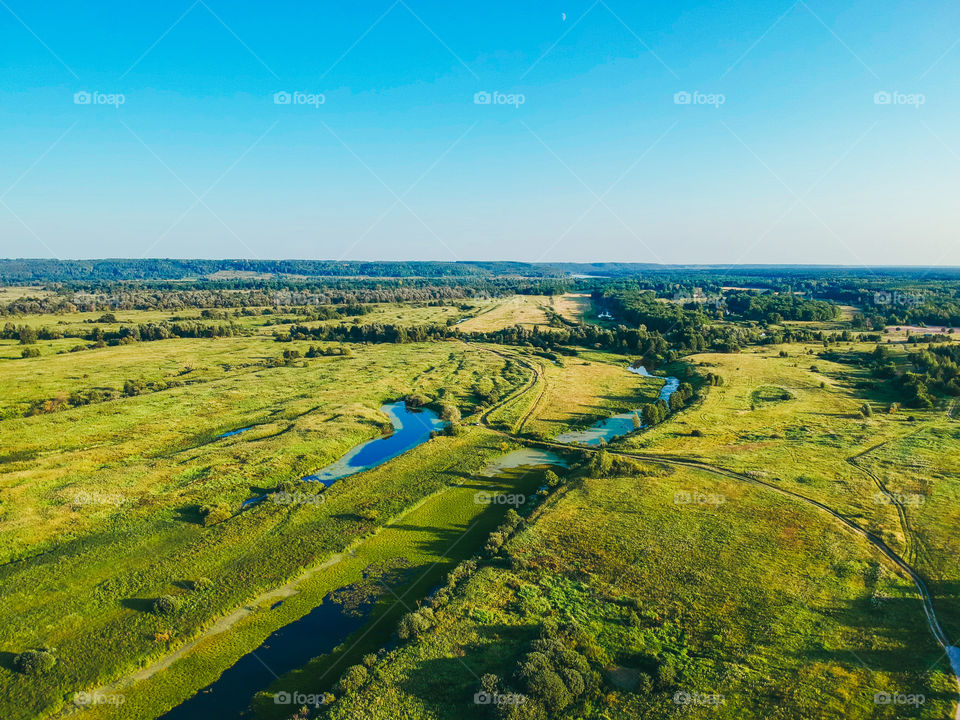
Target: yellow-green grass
x: 525, y: 310
x: 573, y: 306
x: 404, y: 314
x: 445, y: 530
x: 430, y: 538
x: 99, y: 502
x: 582, y: 391
x: 514, y: 413
x: 754, y: 597
x: 801, y: 443
x: 922, y: 472
x: 900, y: 333
x: 18, y: 292
x: 89, y: 320
x: 139, y: 450
x: 804, y: 443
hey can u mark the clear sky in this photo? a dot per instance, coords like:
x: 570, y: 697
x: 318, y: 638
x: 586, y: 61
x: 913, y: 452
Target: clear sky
x: 738, y: 131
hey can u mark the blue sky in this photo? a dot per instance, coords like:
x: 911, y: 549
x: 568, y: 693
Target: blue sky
x: 723, y: 132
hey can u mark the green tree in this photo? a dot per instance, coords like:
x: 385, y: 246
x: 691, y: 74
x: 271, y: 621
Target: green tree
x: 353, y: 679
x: 27, y: 335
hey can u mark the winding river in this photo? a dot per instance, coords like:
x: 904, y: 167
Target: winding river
x: 617, y: 425
x: 319, y: 631
x: 410, y: 428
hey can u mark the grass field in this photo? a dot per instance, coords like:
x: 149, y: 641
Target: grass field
x: 583, y: 391
x: 760, y: 607
x: 573, y: 306
x: 803, y: 444
x: 678, y: 592
x: 100, y: 502
x: 524, y: 310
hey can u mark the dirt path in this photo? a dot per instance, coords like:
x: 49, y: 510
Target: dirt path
x: 952, y: 652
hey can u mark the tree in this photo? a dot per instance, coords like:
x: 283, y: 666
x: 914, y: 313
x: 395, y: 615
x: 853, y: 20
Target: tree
x: 666, y: 675
x: 165, y: 605
x: 601, y: 465
x: 551, y: 478
x: 866, y: 410
x: 34, y: 662
x: 650, y: 415
x: 414, y: 624
x: 450, y: 413
x: 637, y: 422
x: 676, y: 402
x: 28, y: 336
x: 353, y: 679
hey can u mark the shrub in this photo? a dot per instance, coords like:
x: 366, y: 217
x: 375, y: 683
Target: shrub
x: 414, y: 624
x: 547, y: 686
x: 450, y: 413
x: 696, y: 433
x: 573, y: 681
x: 353, y: 679
x: 666, y: 675
x: 201, y: 584
x: 866, y: 410
x: 165, y: 605
x: 212, y: 514
x: 644, y: 684
x: 490, y: 684
x: 30, y: 352
x: 34, y: 662
x: 416, y: 400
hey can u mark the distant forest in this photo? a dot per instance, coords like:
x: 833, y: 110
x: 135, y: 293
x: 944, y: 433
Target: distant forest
x: 767, y: 294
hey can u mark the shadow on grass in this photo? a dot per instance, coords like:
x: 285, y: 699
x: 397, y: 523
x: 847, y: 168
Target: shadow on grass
x: 452, y: 681
x: 139, y: 604
x: 6, y: 659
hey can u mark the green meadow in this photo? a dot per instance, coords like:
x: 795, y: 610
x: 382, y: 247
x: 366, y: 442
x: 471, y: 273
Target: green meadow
x: 692, y: 568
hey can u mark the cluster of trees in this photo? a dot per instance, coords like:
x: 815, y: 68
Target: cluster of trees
x: 937, y: 370
x: 775, y: 308
x: 124, y: 334
x: 30, y: 271
x: 552, y: 676
x: 373, y: 333
x: 25, y: 334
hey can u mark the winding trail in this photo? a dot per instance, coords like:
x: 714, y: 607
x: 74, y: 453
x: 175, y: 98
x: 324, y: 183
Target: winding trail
x: 951, y: 652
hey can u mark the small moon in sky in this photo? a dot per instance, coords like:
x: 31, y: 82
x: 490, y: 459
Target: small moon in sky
x: 563, y: 16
